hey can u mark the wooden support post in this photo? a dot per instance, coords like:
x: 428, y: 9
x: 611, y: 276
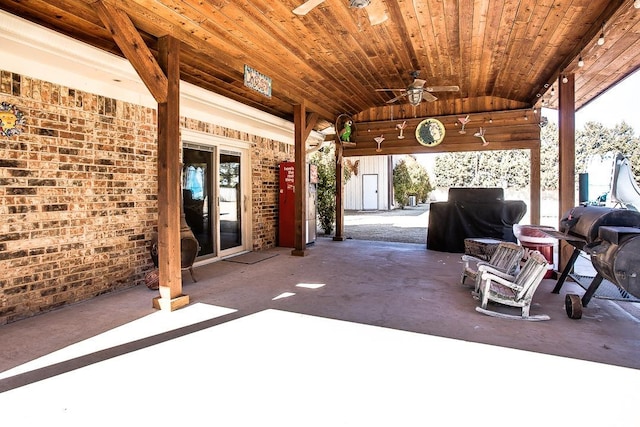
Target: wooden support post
x: 339, y: 235
x: 534, y: 185
x: 566, y: 157
x: 300, y: 181
x: 169, y: 259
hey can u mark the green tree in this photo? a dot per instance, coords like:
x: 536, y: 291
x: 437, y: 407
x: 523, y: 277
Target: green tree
x: 549, y: 157
x: 592, y: 139
x: 401, y: 183
x: 325, y: 161
x: 483, y: 168
x: 420, y: 182
x: 511, y: 168
x: 455, y: 169
x: 595, y: 138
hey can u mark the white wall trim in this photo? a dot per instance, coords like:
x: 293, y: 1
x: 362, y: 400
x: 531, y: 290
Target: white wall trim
x: 41, y: 53
x: 202, y: 138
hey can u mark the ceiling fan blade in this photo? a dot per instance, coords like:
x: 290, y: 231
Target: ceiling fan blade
x: 428, y: 96
x: 443, y: 88
x: 392, y: 90
x: 306, y: 7
x: 396, y: 98
x: 377, y: 12
x: 418, y: 83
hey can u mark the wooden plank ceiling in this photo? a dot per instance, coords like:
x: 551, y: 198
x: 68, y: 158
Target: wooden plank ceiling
x: 504, y: 55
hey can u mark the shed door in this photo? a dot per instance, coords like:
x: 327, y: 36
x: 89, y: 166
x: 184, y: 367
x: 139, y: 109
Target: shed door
x: 370, y: 192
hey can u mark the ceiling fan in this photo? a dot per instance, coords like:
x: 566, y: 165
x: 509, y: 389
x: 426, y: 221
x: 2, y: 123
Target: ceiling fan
x: 375, y: 9
x: 417, y: 91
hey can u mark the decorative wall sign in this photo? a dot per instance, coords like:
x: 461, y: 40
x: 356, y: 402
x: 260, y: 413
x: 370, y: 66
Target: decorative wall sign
x: 257, y: 81
x: 378, y: 140
x: 480, y: 134
x: 401, y: 126
x: 464, y: 121
x: 430, y: 132
x: 11, y: 120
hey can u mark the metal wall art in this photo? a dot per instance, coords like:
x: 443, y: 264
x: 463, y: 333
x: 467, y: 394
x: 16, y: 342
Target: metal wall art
x: 430, y: 132
x: 401, y: 127
x: 480, y: 134
x: 378, y: 140
x: 11, y: 120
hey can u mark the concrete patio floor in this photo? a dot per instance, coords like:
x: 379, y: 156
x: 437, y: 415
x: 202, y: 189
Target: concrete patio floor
x: 354, y: 333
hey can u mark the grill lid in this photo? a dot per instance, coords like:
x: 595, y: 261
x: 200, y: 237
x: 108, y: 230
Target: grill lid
x: 584, y: 221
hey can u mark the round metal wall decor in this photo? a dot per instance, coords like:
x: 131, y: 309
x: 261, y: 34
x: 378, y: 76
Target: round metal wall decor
x: 11, y: 120
x: 430, y: 132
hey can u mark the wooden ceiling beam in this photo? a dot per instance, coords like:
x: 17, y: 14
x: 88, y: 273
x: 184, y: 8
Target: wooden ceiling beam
x: 505, y: 130
x: 133, y: 47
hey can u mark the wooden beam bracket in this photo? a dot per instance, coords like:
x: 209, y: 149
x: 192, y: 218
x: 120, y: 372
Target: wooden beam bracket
x: 132, y: 45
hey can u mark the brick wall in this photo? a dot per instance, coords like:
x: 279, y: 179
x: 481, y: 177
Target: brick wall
x: 78, y: 195
x: 267, y: 155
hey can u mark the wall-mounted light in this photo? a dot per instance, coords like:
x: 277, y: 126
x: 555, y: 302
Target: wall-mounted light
x: 581, y: 61
x: 601, y: 38
x: 565, y: 79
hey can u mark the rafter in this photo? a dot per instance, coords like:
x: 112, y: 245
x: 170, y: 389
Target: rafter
x: 134, y: 49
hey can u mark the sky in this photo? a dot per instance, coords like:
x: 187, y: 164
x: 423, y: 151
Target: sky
x: 612, y: 107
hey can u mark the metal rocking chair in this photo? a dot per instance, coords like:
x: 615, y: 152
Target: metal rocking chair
x: 514, y: 291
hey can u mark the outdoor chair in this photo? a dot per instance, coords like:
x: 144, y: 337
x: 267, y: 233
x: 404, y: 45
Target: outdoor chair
x: 506, y: 258
x: 514, y: 291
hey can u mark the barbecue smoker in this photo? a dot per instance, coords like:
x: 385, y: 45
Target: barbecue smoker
x: 611, y: 237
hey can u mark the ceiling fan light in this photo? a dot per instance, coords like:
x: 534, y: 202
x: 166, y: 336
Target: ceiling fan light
x: 359, y: 4
x: 414, y: 96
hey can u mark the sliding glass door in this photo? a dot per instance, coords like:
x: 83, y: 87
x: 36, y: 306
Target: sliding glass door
x: 214, y: 198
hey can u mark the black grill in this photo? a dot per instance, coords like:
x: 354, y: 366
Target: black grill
x: 611, y: 237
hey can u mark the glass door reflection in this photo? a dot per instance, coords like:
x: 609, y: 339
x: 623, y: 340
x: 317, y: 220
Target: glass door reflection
x: 196, y: 197
x: 230, y: 199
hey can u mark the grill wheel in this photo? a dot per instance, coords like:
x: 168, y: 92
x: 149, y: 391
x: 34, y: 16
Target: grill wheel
x: 573, y: 305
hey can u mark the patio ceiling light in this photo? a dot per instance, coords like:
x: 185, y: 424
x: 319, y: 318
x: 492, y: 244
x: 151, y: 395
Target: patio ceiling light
x: 414, y: 95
